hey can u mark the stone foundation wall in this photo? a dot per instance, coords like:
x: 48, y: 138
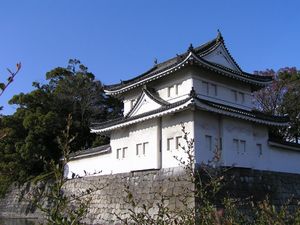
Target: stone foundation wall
x: 279, y: 187
x: 16, y: 203
x: 147, y: 187
x: 110, y: 199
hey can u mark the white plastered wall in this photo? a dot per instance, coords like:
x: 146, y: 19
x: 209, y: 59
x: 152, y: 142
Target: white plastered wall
x: 273, y: 159
x: 206, y: 124
x: 171, y: 128
x: 198, y: 124
x: 128, y: 137
x: 145, y: 132
x: 269, y: 158
x: 95, y: 165
x: 225, y: 88
x: 183, y: 78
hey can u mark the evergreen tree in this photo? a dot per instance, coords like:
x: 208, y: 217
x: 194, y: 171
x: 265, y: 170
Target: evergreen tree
x: 31, y: 132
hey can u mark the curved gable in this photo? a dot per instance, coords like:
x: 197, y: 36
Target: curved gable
x: 145, y: 103
x: 220, y: 56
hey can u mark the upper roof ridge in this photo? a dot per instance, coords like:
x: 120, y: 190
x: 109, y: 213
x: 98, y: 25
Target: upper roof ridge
x: 178, y: 62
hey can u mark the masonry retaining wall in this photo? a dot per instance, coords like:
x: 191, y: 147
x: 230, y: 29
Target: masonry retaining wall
x: 111, y: 199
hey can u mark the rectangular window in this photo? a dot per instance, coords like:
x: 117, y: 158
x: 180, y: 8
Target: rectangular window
x: 145, y: 147
x: 178, y: 142
x: 205, y: 87
x: 234, y: 95
x: 259, y: 149
x: 213, y: 90
x: 236, y: 145
x: 170, y: 144
x: 241, y: 97
x: 208, y: 143
x: 139, y: 149
x: 221, y: 144
x: 124, y: 152
x: 174, y: 90
x: 177, y: 87
x: 170, y: 91
x: 242, y: 146
x: 118, y: 153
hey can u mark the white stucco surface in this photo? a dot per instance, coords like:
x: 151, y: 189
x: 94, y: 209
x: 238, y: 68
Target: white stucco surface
x: 183, y: 80
x: 225, y: 90
x: 161, y: 135
x: 156, y: 156
x: 253, y: 135
x: 172, y: 129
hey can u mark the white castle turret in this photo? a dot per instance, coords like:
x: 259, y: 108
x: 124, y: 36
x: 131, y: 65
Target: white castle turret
x: 205, y: 90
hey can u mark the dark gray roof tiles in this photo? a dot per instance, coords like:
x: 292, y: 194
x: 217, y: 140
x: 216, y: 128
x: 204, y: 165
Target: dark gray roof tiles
x: 253, y: 113
x: 199, y: 51
x: 90, y: 152
x: 155, y: 70
x: 126, y: 119
x: 284, y: 144
x: 154, y: 96
x: 238, y: 111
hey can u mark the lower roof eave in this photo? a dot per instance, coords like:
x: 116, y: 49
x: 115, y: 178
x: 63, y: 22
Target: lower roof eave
x: 105, y: 130
x: 284, y: 145
x: 192, y: 103
x: 73, y: 158
x: 91, y: 152
x: 243, y: 117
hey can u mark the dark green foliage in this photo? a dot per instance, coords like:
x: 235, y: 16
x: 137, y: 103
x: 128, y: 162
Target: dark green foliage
x: 30, y: 142
x: 61, y: 208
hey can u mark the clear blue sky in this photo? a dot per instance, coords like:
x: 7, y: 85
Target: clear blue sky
x: 120, y: 39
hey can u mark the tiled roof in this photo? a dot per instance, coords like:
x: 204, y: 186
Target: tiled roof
x: 154, y: 96
x: 246, y: 113
x: 90, y: 152
x: 253, y: 115
x: 199, y: 52
x: 284, y: 144
x: 247, y: 77
x: 96, y: 126
x: 155, y: 70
